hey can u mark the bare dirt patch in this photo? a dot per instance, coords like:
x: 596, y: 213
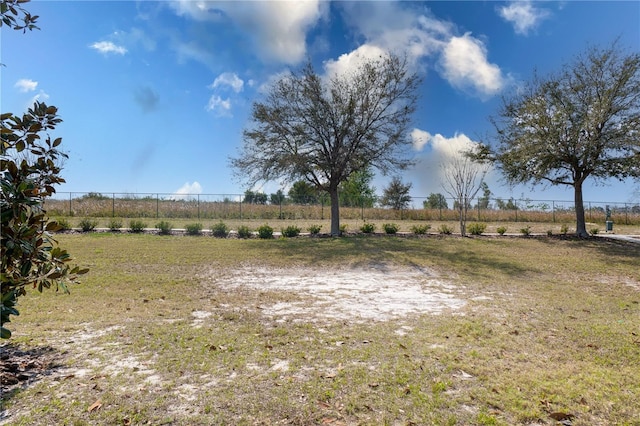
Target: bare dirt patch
x: 358, y: 294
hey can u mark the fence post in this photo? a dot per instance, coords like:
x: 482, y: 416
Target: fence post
x: 157, y: 206
x: 626, y: 214
x: 280, y: 203
x: 321, y: 209
x: 198, y: 204
x: 240, y: 203
x: 478, y: 201
x: 113, y: 205
x: 590, y: 213
x: 70, y: 194
x: 553, y: 211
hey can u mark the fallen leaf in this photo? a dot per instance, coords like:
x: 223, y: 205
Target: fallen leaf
x: 95, y: 406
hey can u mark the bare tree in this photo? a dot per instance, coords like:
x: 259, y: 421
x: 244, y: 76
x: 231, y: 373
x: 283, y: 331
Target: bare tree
x: 325, y: 129
x: 463, y: 179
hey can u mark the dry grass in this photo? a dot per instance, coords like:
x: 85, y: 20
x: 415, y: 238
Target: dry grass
x: 163, y: 332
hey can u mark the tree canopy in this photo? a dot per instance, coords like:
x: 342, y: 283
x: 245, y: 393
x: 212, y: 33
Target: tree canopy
x: 324, y: 128
x: 396, y: 194
x: 580, y: 123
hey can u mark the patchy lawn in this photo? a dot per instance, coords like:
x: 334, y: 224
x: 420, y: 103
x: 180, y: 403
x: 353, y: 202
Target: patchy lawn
x: 358, y: 330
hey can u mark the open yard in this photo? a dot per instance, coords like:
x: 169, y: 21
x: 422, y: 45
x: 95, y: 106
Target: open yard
x: 360, y: 330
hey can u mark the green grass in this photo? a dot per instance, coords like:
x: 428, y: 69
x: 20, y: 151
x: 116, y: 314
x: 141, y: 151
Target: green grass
x: 550, y: 325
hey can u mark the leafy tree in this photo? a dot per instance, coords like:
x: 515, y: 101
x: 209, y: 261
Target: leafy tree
x: 484, y: 201
x: 396, y: 195
x: 30, y: 168
x: 583, y: 122
x: 463, y: 178
x: 323, y: 129
x: 510, y: 204
x: 251, y: 197
x: 301, y: 192
x: 435, y: 201
x: 277, y: 198
x: 357, y: 190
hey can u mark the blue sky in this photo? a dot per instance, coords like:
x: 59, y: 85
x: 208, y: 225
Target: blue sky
x: 155, y: 95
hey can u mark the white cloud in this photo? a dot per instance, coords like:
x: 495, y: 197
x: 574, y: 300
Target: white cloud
x: 187, y: 190
x: 436, y: 151
x: 465, y: 65
x: 350, y: 61
x: 25, y: 85
x: 278, y: 28
x: 220, y: 107
x: 523, y: 16
x: 42, y: 96
x: 106, y: 47
x: 228, y: 79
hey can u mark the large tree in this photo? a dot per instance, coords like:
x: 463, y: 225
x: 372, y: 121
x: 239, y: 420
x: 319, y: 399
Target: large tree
x: 580, y: 123
x: 396, y: 194
x: 357, y: 190
x: 325, y: 128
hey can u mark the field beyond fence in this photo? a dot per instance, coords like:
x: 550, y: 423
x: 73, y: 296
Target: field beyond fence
x: 233, y: 207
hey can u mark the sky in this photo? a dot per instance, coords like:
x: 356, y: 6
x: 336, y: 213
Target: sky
x: 155, y: 95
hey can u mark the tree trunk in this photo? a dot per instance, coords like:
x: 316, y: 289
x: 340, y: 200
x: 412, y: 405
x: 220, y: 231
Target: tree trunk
x: 335, y: 211
x: 581, y: 226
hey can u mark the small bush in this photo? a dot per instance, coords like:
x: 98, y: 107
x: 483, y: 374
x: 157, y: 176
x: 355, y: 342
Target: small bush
x: 477, y: 228
x: 549, y: 232
x: 265, y: 232
x: 137, y: 226
x: 63, y: 224
x: 244, y: 232
x: 390, y: 228
x: 314, y: 229
x: 445, y: 229
x: 420, y: 229
x: 87, y: 224
x: 501, y: 230
x: 343, y: 229
x: 164, y: 227
x: 291, y: 231
x: 594, y: 231
x: 526, y: 231
x: 115, y: 225
x: 220, y: 230
x: 368, y: 228
x: 193, y: 228
x: 564, y: 229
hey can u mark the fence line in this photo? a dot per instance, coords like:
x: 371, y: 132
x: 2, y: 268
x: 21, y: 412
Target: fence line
x: 236, y: 206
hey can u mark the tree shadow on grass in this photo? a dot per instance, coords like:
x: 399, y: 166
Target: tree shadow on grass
x: 20, y: 368
x: 458, y: 254
x: 619, y: 251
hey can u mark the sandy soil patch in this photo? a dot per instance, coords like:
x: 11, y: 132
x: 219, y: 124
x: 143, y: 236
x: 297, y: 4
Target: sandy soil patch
x: 377, y: 293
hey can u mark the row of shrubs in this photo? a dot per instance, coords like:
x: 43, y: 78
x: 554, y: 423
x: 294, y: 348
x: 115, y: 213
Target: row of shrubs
x: 221, y: 230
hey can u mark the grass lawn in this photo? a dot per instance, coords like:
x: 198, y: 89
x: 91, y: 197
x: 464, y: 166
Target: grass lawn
x: 362, y: 330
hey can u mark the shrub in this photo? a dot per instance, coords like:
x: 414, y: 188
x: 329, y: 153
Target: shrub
x: 314, y: 229
x: 193, y: 228
x: 265, y: 232
x: 390, y: 228
x: 115, y: 225
x: 420, y: 229
x: 343, y: 228
x: 164, y: 227
x: 244, y: 231
x: 87, y: 224
x: 501, y: 230
x: 291, y: 231
x: 445, y: 229
x: 368, y: 228
x: 137, y: 226
x: 549, y: 232
x: 477, y: 228
x: 63, y: 224
x: 594, y: 231
x: 526, y: 231
x: 564, y: 229
x: 220, y: 230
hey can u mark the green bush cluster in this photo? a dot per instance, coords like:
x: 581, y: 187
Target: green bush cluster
x: 265, y: 232
x: 526, y: 231
x: 420, y: 229
x: 501, y: 230
x: 87, y: 224
x: 137, y: 226
x: 193, y: 228
x: 445, y: 230
x: 314, y: 229
x: 291, y: 231
x: 164, y: 227
x: 220, y: 230
x: 390, y: 228
x: 114, y: 224
x: 476, y: 228
x: 244, y: 232
x: 368, y: 228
